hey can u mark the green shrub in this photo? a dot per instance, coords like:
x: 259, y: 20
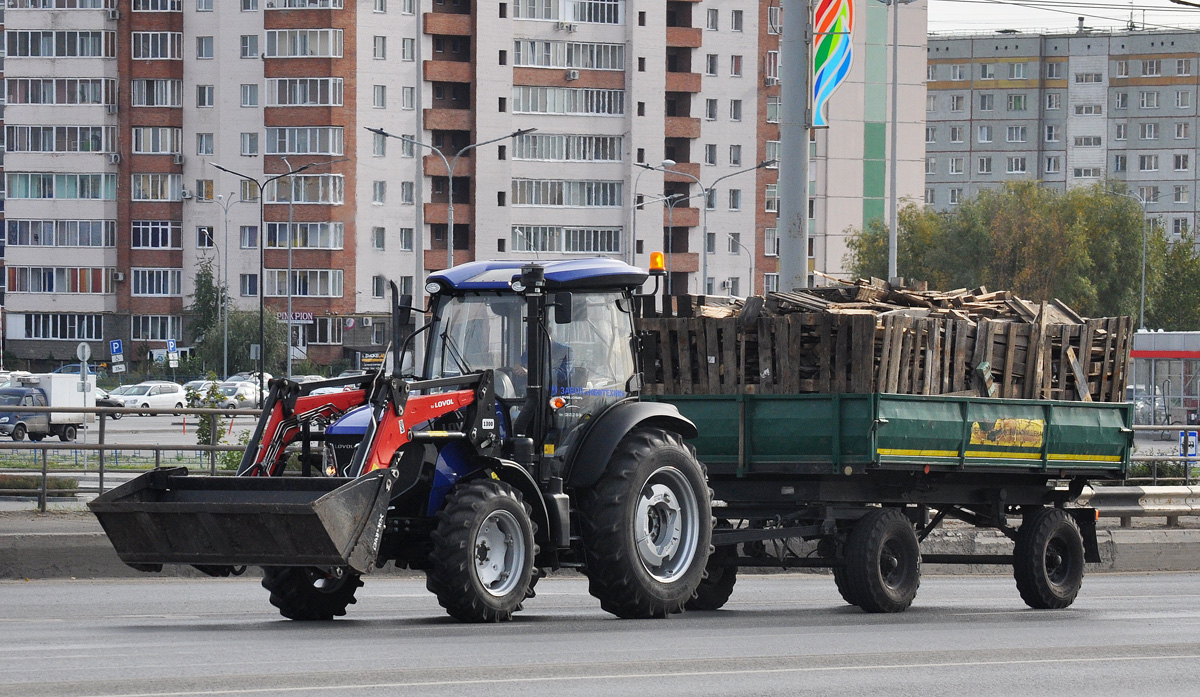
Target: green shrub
x: 33, y: 482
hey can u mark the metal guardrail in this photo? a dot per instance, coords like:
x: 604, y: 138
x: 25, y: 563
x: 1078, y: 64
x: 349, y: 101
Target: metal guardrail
x: 1129, y: 502
x: 1155, y: 462
x: 103, y: 448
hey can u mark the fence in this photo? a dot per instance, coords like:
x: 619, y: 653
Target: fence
x: 42, y: 449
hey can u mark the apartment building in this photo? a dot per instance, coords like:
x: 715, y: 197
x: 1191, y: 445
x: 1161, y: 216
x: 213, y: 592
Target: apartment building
x: 1068, y: 109
x: 145, y: 137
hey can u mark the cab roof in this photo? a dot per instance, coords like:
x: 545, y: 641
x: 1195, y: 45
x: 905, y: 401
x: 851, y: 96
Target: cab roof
x: 568, y: 274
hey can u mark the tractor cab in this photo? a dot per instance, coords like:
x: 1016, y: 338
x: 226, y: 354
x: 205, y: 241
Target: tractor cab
x: 583, y: 312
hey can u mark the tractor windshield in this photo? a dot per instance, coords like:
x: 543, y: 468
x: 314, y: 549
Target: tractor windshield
x: 477, y: 332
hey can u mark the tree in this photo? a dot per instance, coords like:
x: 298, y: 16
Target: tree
x: 1035, y: 241
x: 207, y: 323
x: 1176, y: 295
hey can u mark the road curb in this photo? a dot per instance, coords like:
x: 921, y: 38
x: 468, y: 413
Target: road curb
x: 49, y: 555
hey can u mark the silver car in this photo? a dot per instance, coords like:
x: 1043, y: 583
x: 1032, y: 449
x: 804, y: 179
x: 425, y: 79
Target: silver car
x: 238, y: 395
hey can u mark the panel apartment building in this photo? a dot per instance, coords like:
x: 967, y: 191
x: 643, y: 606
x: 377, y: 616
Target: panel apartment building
x: 121, y: 114
x: 1068, y: 109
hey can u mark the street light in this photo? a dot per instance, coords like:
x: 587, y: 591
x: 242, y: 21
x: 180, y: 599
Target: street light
x: 262, y: 326
x: 1142, y: 298
x: 749, y: 253
x: 450, y: 165
x: 225, y: 206
x: 632, y: 257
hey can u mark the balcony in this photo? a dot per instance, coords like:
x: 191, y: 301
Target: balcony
x: 438, y: 213
x: 683, y: 82
x: 679, y: 127
x: 446, y: 23
x: 436, y: 258
x: 676, y: 173
x: 464, y: 120
x: 684, y: 37
x: 679, y: 262
x: 448, y: 71
x: 681, y: 217
x: 434, y: 167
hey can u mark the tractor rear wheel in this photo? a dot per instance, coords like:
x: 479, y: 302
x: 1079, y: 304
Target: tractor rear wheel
x: 647, y: 526
x: 309, y: 593
x: 483, y: 550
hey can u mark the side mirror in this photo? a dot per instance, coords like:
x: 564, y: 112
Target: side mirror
x: 562, y: 307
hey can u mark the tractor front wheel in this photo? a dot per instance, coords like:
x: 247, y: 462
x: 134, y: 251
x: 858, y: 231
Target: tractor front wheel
x: 483, y: 551
x: 309, y: 593
x: 647, y: 526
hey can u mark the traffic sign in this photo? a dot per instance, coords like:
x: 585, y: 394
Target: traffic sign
x: 1187, y: 443
x: 114, y: 347
x: 171, y: 346
x: 84, y: 351
x: 173, y: 363
x: 118, y: 367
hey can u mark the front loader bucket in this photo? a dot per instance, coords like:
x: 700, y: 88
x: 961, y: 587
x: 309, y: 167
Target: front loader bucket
x: 167, y: 517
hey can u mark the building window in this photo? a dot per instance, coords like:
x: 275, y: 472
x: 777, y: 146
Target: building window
x: 1183, y: 66
x: 1053, y: 101
x: 379, y: 50
x: 985, y: 134
x: 248, y: 284
x: 379, y: 96
x: 955, y: 196
x: 377, y: 286
x: 735, y: 20
x: 1016, y: 165
x: 771, y: 282
x: 710, y: 153
x: 248, y: 235
x: 1121, y: 100
x: 710, y: 63
x: 774, y: 19
x: 1016, y: 134
x: 1016, y: 102
x: 1148, y: 131
x: 157, y: 45
x: 987, y: 102
x: 66, y: 327
x: 1149, y: 100
x: 1179, y: 226
x: 1148, y: 194
x: 204, y: 95
x: 930, y: 134
x: 249, y: 5
x: 1053, y: 164
x: 1183, y: 99
x: 712, y: 20
x: 930, y: 103
x: 204, y: 47
x: 378, y: 192
x: 771, y: 198
x: 378, y: 144
x: 1052, y: 133
x: 204, y: 189
x: 956, y: 134
x: 378, y: 236
x: 155, y: 234
x: 1088, y: 78
x: 1181, y: 130
x: 930, y: 165
x: 735, y: 66
x: 204, y: 143
x: 313, y: 283
x: 1121, y: 131
x: 956, y: 165
x: 1120, y: 163
x: 204, y: 236
x: 249, y: 95
x: 1087, y: 173
x: 930, y: 197
x: 1054, y: 71
x: 1181, y: 193
x: 1122, y: 69
x: 734, y: 241
x: 249, y: 46
x: 1088, y: 141
x: 735, y: 199
x: 987, y: 71
x: 735, y: 156
x: 1148, y: 163
x: 984, y: 166
x: 407, y: 98
x: 735, y: 110
x: 958, y: 102
x: 1181, y: 163
x: 157, y: 282
x: 314, y: 91
x: 1152, y: 67
x: 1016, y: 71
x: 204, y: 5
x: 773, y: 105
x: 249, y: 144
x: 771, y: 242
x: 958, y: 72
x: 931, y: 72
x: 406, y: 193
x: 1089, y: 109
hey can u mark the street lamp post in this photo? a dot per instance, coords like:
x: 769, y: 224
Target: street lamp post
x: 712, y: 187
x: 291, y: 212
x: 225, y: 206
x: 450, y: 165
x: 631, y: 256
x: 262, y: 245
x: 1142, y: 297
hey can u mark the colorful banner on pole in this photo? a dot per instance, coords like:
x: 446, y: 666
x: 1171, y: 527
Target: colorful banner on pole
x: 832, y: 52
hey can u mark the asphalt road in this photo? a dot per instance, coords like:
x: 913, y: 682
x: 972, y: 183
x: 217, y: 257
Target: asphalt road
x: 781, y: 635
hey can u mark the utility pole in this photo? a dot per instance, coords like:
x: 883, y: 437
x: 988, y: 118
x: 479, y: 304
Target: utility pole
x: 794, y: 121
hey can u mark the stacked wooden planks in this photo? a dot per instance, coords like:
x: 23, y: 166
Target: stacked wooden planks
x: 870, y: 337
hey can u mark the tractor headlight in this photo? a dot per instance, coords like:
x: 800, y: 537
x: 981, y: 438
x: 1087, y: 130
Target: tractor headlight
x: 433, y: 287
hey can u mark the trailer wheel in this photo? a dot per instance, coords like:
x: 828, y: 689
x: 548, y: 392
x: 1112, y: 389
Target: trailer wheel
x: 842, y: 581
x: 883, y: 562
x: 18, y: 432
x: 483, y: 549
x: 67, y: 434
x: 309, y: 593
x: 647, y: 526
x: 717, y: 585
x: 1048, y: 559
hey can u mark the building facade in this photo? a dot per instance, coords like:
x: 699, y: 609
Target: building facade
x: 145, y: 138
x: 1069, y: 110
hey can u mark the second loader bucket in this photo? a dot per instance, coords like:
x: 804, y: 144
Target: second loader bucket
x: 167, y: 517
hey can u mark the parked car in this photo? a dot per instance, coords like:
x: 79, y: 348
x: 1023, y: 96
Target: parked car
x: 308, y: 378
x: 73, y: 368
x: 197, y: 390
x: 155, y: 394
x: 105, y: 398
x: 239, y: 395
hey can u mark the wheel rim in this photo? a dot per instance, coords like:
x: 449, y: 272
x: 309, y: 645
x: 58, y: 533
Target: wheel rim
x: 666, y: 524
x: 499, y: 553
x: 891, y: 567
x: 1058, y: 562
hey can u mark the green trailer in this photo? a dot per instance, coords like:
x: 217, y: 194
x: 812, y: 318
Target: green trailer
x: 868, y: 476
